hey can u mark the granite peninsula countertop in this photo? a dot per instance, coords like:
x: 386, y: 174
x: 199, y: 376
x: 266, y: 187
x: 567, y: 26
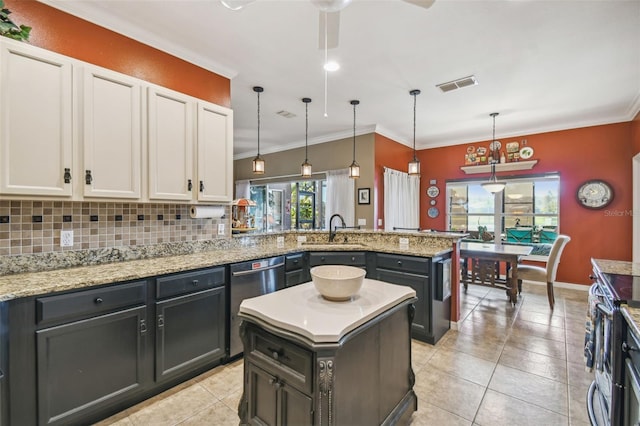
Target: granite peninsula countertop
x: 620, y: 267
x: 37, y: 283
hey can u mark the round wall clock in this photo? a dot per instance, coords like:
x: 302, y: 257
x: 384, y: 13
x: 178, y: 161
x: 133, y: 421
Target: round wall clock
x: 595, y: 194
x: 433, y: 191
x: 433, y: 212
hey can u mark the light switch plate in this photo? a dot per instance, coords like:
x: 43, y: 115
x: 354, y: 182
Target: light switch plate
x: 362, y: 221
x: 221, y: 229
x: 379, y: 222
x: 66, y: 238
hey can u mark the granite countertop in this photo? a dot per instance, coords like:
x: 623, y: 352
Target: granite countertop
x: 620, y: 267
x: 318, y: 320
x: 37, y: 283
x: 632, y: 315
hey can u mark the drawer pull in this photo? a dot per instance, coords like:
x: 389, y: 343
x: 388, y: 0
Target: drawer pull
x: 399, y: 262
x: 277, y: 353
x: 353, y: 258
x: 98, y: 300
x: 143, y: 327
x: 160, y: 321
x: 195, y: 283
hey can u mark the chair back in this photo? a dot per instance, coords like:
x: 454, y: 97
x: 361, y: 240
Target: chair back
x: 519, y: 235
x: 554, y: 256
x: 547, y: 236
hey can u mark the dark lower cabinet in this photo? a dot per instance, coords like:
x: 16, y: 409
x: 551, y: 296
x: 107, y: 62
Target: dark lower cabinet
x: 190, y: 332
x: 420, y: 283
x: 296, y: 267
x: 279, y: 403
x: 89, y: 363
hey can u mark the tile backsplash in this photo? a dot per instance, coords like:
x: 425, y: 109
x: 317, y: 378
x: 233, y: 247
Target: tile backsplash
x: 29, y: 227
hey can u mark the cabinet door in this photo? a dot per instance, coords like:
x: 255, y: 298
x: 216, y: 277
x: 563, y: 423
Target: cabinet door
x: 190, y: 332
x: 421, y: 321
x: 111, y: 134
x: 35, y: 121
x: 171, y: 125
x: 295, y: 407
x: 262, y: 396
x: 89, y: 364
x: 215, y: 153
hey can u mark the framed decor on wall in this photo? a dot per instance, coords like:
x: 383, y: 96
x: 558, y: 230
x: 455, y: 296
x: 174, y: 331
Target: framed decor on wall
x: 363, y: 196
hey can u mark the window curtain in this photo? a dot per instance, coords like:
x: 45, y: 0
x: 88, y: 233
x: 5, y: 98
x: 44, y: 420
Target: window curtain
x: 243, y: 189
x: 340, y: 196
x: 401, y: 200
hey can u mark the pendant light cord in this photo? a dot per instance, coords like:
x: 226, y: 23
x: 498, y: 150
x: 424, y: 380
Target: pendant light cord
x: 306, y: 130
x: 354, y: 132
x: 258, y: 124
x: 414, y: 125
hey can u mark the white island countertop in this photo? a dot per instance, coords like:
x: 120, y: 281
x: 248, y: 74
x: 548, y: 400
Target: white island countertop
x: 303, y: 311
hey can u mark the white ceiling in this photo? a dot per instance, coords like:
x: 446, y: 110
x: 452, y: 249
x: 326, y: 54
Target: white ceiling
x: 543, y: 65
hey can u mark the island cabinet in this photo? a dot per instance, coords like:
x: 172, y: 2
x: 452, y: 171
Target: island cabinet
x: 324, y: 363
x: 431, y: 280
x: 79, y: 356
x: 296, y: 266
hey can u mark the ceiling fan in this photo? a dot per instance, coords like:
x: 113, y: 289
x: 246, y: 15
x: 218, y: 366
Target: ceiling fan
x: 329, y: 28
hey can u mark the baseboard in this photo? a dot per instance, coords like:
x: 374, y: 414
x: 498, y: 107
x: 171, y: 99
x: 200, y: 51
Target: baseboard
x: 558, y: 284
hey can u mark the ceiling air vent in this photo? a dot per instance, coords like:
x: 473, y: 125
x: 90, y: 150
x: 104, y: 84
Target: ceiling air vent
x: 286, y: 114
x: 457, y: 84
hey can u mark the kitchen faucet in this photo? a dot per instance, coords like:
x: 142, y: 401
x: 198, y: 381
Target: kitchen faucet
x: 333, y: 231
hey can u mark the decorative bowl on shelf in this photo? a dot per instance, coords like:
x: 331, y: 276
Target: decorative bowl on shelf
x: 337, y: 283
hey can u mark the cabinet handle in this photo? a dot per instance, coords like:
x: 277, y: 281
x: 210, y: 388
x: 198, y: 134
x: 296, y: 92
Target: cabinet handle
x: 87, y: 177
x: 160, y: 321
x: 322, y: 259
x: 143, y: 327
x: 353, y: 258
x: 189, y: 185
x: 276, y: 353
x: 201, y: 186
x: 399, y: 262
x: 275, y: 382
x: 195, y: 283
x: 98, y: 300
x: 67, y: 175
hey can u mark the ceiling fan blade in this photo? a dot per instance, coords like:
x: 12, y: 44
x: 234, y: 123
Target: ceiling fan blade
x: 426, y: 4
x: 333, y: 29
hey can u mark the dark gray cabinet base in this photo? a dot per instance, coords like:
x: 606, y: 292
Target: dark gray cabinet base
x: 365, y: 379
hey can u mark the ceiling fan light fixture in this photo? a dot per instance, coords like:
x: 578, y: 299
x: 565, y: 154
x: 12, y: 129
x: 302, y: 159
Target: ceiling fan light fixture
x: 331, y: 5
x: 305, y: 168
x: 413, y: 167
x: 331, y: 66
x: 258, y: 162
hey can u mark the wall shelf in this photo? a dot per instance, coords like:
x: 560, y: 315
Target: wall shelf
x: 500, y: 167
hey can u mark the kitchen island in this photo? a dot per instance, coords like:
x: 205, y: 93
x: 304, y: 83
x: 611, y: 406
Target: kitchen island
x: 323, y: 363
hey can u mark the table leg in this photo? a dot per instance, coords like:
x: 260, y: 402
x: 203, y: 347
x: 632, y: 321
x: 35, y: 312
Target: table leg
x: 513, y: 282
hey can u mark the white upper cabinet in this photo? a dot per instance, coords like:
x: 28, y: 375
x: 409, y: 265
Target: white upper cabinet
x: 36, y: 138
x: 215, y: 153
x: 112, y: 139
x: 171, y: 127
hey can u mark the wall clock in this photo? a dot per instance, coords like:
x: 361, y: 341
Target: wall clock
x: 595, y: 194
x: 433, y: 191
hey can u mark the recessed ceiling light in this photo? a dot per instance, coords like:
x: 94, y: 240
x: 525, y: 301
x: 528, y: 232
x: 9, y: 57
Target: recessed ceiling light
x: 331, y: 66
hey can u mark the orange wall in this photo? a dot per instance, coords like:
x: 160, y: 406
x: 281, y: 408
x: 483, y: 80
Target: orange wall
x: 63, y: 33
x: 635, y: 134
x: 599, y: 152
x: 388, y: 153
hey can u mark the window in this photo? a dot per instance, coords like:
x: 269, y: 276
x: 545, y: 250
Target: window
x: 526, y: 212
x: 289, y: 205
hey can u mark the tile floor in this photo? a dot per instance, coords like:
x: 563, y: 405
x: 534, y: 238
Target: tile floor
x: 505, y: 365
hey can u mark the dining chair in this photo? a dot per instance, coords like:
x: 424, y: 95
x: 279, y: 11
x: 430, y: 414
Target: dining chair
x: 547, y: 236
x: 519, y: 235
x: 547, y: 274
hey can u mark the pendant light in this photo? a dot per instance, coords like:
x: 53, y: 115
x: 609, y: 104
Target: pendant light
x: 414, y: 165
x: 493, y: 185
x: 258, y: 162
x: 305, y: 168
x: 354, y: 168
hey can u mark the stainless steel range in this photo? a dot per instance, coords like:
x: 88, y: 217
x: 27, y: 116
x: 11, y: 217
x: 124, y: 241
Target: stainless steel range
x: 605, y: 400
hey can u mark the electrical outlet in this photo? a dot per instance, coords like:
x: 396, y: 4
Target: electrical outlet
x: 280, y: 242
x: 404, y: 243
x: 362, y: 222
x: 221, y: 229
x: 66, y: 238
x: 301, y: 239
x: 379, y: 222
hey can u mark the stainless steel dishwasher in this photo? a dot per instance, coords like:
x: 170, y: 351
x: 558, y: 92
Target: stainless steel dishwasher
x: 251, y: 279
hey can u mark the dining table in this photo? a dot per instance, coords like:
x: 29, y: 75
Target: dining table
x: 481, y: 264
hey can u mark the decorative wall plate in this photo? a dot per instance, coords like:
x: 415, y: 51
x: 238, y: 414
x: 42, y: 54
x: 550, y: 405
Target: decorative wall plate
x: 481, y: 151
x: 495, y: 146
x: 433, y: 191
x: 526, y: 152
x: 433, y: 212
